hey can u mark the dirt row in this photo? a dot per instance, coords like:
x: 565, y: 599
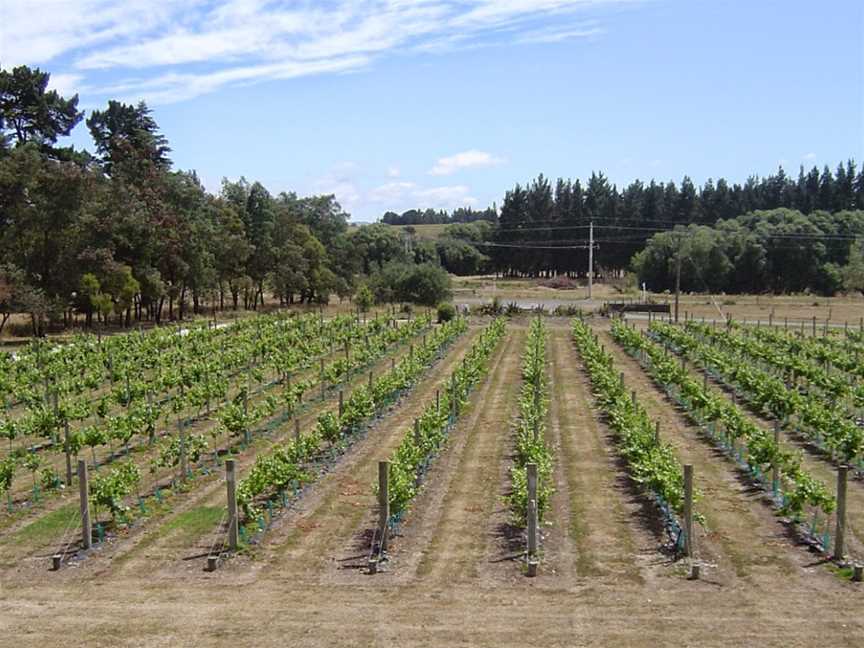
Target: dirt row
x: 188, y: 510
x: 817, y: 463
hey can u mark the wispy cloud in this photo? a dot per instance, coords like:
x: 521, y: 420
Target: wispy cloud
x: 398, y: 196
x: 555, y: 35
x: 171, y: 50
x: 465, y: 160
x: 809, y: 156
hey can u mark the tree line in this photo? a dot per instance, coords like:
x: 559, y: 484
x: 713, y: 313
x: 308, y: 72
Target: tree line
x: 440, y: 216
x: 544, y: 229
x: 118, y: 234
x: 779, y: 251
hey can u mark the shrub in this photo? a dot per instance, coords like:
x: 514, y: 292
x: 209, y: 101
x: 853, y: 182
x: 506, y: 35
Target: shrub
x: 446, y: 312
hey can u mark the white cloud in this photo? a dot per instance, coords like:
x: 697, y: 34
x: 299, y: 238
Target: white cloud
x: 399, y: 196
x: 393, y: 172
x: 183, y: 48
x: 809, y: 156
x: 446, y: 197
x: 65, y: 84
x: 465, y: 160
x: 558, y: 35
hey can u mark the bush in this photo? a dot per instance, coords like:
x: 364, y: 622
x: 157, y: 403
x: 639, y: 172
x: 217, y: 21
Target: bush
x: 423, y: 284
x: 446, y: 312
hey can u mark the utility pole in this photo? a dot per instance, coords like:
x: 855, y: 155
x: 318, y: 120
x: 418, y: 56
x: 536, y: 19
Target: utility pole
x: 590, y: 257
x: 678, y: 278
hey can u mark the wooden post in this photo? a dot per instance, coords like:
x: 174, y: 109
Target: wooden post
x: 383, y: 503
x: 341, y: 403
x: 371, y: 380
x: 688, y: 510
x: 775, y: 470
x: 437, y: 401
x: 84, y: 493
x: 814, y: 326
x: 532, y: 519
x: 321, y: 379
x: 296, y: 429
x: 657, y: 432
x: 233, y: 526
x: 68, y: 450
x: 840, y: 532
x: 184, y: 461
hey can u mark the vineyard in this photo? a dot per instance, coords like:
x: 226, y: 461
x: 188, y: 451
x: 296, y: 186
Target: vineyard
x: 387, y: 467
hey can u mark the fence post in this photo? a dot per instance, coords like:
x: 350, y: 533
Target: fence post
x: 231, y: 481
x: 321, y: 379
x: 341, y: 403
x: 532, y: 519
x: 84, y: 492
x: 68, y: 451
x: 775, y: 469
x: 688, y: 510
x: 296, y: 429
x: 184, y: 462
x: 840, y: 532
x: 383, y: 503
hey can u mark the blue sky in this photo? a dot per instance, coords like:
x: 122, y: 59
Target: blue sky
x: 392, y: 104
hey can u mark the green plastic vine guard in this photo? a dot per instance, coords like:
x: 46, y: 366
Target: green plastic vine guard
x: 9, y: 505
x: 158, y: 494
x: 35, y: 492
x: 242, y: 534
x: 261, y: 525
x: 141, y: 506
x: 100, y: 532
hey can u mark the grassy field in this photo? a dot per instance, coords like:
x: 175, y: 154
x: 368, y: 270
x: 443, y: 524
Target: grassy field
x: 838, y: 310
x: 428, y: 232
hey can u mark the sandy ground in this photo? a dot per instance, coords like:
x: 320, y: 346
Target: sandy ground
x: 453, y: 581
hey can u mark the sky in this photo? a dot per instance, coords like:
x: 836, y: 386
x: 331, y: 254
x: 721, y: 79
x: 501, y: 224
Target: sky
x: 397, y: 104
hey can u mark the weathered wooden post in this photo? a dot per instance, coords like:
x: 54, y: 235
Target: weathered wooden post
x: 371, y: 380
x: 775, y: 469
x: 321, y: 379
x: 840, y: 531
x: 296, y: 429
x: 688, y: 510
x: 68, y: 450
x: 814, y: 326
x: 341, y: 404
x: 383, y: 503
x: 657, y: 432
x: 233, y: 523
x: 184, y: 460
x: 84, y: 493
x: 532, y: 519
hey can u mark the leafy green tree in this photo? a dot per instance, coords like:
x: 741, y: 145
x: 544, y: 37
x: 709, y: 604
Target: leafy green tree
x: 29, y: 112
x: 853, y: 272
x: 123, y: 132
